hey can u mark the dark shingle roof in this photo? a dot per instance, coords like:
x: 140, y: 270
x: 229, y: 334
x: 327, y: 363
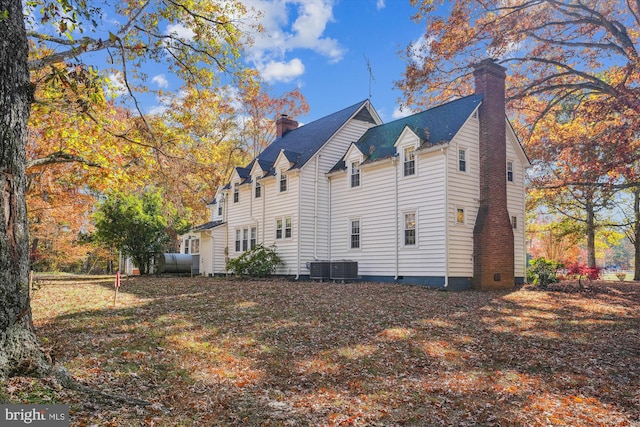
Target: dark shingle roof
x: 207, y: 226
x: 434, y: 126
x: 302, y: 143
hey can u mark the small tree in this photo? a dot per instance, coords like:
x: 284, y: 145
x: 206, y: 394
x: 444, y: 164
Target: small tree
x: 258, y: 262
x: 543, y: 271
x: 133, y: 224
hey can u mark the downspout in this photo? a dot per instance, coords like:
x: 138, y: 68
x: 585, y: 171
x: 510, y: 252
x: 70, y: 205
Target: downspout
x: 298, y: 221
x: 443, y: 150
x: 330, y: 220
x: 395, y: 170
x: 315, y: 213
x: 263, y: 193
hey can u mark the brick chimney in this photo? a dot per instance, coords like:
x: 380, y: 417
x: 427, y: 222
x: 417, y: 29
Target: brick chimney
x: 284, y: 124
x: 493, y: 259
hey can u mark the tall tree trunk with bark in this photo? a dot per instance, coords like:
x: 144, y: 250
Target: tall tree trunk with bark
x: 636, y: 232
x: 19, y: 350
x: 591, y: 234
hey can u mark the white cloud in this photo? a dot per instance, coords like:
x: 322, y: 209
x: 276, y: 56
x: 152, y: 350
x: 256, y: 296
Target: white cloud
x: 290, y: 25
x: 180, y: 31
x: 161, y: 81
x: 399, y: 113
x: 282, y: 71
x: 421, y: 48
x: 380, y: 4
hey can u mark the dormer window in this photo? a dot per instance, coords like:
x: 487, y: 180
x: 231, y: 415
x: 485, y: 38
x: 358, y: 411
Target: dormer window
x: 220, y: 208
x: 283, y: 182
x: 409, y: 161
x: 355, y: 174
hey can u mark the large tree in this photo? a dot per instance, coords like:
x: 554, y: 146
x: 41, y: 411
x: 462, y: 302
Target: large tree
x: 196, y: 41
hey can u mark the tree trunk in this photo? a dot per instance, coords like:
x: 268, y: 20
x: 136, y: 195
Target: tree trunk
x: 636, y: 232
x: 19, y: 350
x: 591, y: 235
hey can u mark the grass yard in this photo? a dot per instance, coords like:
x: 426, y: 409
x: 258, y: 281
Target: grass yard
x: 210, y: 352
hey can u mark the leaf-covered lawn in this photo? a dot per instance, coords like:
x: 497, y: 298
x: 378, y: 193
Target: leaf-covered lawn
x: 276, y: 353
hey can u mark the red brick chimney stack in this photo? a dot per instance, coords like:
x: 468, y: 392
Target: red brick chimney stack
x: 284, y: 124
x: 493, y: 233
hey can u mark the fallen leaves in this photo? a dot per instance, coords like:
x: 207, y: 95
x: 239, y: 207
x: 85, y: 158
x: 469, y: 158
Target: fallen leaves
x: 278, y: 353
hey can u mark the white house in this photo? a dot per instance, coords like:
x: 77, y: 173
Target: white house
x: 436, y: 198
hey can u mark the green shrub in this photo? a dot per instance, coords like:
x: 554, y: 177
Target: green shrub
x: 258, y: 262
x: 543, y: 271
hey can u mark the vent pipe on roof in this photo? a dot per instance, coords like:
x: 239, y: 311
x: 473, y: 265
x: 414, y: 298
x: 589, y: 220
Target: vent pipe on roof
x: 284, y: 124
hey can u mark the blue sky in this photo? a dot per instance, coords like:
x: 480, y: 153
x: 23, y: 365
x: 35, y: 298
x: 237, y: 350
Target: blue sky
x: 322, y: 48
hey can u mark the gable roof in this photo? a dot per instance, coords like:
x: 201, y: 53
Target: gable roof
x: 299, y: 145
x: 433, y: 126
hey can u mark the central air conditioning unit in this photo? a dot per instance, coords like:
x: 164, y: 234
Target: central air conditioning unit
x: 319, y: 270
x: 344, y: 270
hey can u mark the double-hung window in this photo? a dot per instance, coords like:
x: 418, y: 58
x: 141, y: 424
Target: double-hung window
x: 462, y: 160
x: 410, y: 229
x: 409, y: 161
x: 238, y: 237
x: 510, y: 171
x: 283, y: 182
x: 283, y: 228
x: 355, y: 234
x: 460, y: 215
x: 258, y: 191
x: 236, y: 195
x: 245, y: 239
x: 254, y: 236
x: 287, y: 228
x: 355, y: 174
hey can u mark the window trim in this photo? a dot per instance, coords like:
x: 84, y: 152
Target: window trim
x: 462, y: 160
x: 283, y: 181
x: 509, y: 171
x: 352, y: 234
x: 457, y: 216
x: 414, y: 229
x: 253, y: 237
x: 355, y: 175
x: 284, y: 228
x: 191, y: 246
x: 409, y: 163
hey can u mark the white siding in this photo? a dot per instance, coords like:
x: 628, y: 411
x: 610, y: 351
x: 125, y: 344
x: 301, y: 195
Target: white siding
x: 314, y: 204
x: 463, y: 191
x: 516, y: 203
